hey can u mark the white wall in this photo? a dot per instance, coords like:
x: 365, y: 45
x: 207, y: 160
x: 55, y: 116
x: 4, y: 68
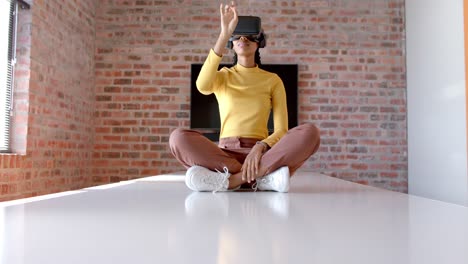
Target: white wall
x: 437, y: 150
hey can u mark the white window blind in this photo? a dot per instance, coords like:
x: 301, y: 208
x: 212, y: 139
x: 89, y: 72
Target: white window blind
x: 7, y: 60
x: 8, y: 21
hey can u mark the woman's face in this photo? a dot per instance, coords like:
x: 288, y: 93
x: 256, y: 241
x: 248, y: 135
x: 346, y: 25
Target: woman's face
x: 244, y: 47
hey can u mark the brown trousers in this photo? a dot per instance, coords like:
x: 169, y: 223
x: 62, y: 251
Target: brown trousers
x: 192, y: 148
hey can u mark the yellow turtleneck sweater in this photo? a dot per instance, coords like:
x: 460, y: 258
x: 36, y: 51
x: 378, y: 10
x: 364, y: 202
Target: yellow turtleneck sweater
x: 245, y: 97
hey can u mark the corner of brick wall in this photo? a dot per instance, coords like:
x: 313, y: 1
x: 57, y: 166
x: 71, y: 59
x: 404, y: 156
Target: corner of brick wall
x: 53, y: 101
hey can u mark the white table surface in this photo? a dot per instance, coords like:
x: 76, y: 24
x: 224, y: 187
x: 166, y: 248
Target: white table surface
x: 158, y: 220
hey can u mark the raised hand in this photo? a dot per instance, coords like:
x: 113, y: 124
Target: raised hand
x: 229, y: 21
x: 229, y: 18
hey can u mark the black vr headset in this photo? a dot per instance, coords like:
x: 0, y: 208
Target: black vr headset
x: 249, y: 27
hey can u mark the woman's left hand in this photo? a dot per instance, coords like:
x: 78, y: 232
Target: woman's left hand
x: 252, y: 163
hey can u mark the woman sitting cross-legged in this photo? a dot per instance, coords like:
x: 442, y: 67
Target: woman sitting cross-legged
x: 246, y: 154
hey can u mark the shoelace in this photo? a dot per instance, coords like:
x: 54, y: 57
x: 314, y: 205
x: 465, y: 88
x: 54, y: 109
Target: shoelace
x: 255, y: 185
x: 225, y: 176
x: 263, y: 179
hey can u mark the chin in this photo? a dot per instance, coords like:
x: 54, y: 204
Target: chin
x: 244, y: 52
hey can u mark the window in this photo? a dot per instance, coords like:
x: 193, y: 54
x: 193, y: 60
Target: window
x: 7, y: 10
x: 8, y: 18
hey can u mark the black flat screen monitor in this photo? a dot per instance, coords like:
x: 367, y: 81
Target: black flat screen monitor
x: 204, y: 111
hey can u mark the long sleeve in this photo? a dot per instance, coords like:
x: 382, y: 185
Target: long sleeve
x: 209, y: 79
x: 280, y: 114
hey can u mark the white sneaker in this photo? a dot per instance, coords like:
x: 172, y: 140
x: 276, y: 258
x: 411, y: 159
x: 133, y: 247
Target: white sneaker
x: 276, y: 181
x: 202, y: 179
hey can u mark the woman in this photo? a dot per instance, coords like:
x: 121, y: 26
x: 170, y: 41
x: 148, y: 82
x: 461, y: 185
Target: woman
x: 246, y: 153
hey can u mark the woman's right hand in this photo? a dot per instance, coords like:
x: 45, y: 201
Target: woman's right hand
x: 229, y: 18
x: 229, y: 21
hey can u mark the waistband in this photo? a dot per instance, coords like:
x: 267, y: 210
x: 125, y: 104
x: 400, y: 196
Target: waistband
x: 237, y: 142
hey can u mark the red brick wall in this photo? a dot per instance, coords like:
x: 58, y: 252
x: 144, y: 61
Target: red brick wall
x: 54, y: 100
x: 352, y: 81
x: 98, y: 96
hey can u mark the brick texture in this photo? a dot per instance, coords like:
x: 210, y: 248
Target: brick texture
x: 352, y: 81
x: 109, y: 80
x: 54, y: 101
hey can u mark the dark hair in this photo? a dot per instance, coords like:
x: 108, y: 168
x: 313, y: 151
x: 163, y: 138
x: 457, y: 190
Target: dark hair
x: 257, y: 58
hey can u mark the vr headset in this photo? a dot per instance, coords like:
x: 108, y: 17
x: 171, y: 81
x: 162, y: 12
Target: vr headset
x: 249, y: 27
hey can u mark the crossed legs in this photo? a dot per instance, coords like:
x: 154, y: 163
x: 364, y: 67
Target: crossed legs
x: 192, y: 148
